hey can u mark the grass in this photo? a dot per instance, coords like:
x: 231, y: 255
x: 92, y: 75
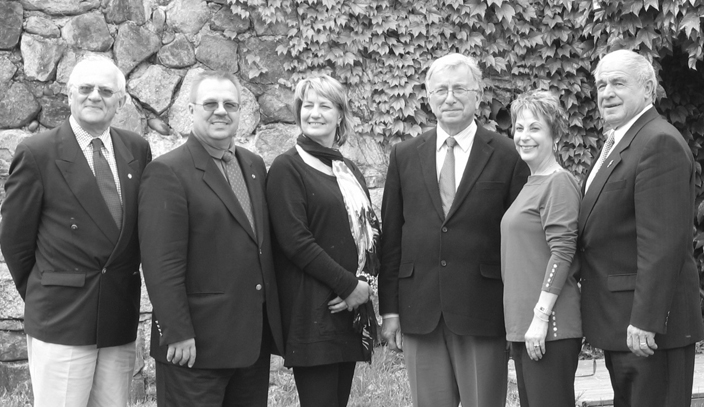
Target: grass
x: 382, y: 384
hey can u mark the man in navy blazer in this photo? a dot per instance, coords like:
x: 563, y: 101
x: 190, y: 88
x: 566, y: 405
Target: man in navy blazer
x: 207, y: 259
x: 640, y: 287
x: 440, y: 288
x: 74, y: 254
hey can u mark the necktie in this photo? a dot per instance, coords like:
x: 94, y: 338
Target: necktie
x: 447, y: 176
x: 234, y: 175
x: 605, y: 151
x: 106, y: 182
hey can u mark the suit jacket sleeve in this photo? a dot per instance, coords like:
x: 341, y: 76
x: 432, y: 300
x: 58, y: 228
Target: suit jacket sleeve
x: 390, y: 253
x: 287, y: 208
x: 163, y: 237
x: 21, y: 214
x: 663, y: 227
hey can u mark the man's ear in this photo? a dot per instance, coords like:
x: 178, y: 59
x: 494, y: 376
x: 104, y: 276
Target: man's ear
x: 121, y: 101
x: 190, y: 108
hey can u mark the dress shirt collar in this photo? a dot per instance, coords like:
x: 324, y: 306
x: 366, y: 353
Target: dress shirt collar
x: 84, y: 138
x: 621, y: 131
x: 464, y: 138
x: 215, y: 152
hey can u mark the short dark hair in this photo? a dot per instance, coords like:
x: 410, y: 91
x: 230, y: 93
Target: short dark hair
x: 219, y: 75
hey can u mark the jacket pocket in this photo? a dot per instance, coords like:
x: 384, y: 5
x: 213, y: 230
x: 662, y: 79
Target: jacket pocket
x: 64, y: 279
x: 621, y: 282
x: 405, y: 270
x: 612, y: 186
x: 490, y: 271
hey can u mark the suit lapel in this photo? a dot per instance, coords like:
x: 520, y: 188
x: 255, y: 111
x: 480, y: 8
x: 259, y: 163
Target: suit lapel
x: 478, y: 158
x: 428, y: 167
x: 127, y: 167
x: 610, y: 164
x: 81, y: 181
x: 214, y: 179
x: 256, y: 193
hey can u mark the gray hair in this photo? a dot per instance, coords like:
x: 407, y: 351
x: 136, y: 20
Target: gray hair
x: 98, y: 62
x: 331, y: 89
x: 455, y: 60
x: 637, y: 65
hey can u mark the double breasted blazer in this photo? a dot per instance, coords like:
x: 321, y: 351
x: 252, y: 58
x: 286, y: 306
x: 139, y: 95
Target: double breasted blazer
x: 209, y: 275
x: 635, y: 241
x: 432, y: 265
x: 77, y: 272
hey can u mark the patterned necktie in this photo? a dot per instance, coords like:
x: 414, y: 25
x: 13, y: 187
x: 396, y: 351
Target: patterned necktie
x: 106, y: 182
x: 605, y: 151
x: 234, y: 175
x: 447, y: 176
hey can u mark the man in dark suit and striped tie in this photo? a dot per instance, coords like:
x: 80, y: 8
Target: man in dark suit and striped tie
x: 69, y: 237
x: 204, y: 233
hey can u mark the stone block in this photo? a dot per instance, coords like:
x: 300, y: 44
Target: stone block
x: 187, y: 16
x: 275, y: 105
x: 89, y: 32
x: 155, y: 87
x: 10, y: 24
x: 61, y: 7
x: 13, y: 346
x: 280, y: 27
x: 55, y: 110
x: 225, y: 20
x: 273, y: 139
x: 218, y: 53
x: 133, y: 45
x: 129, y: 117
x: 177, y: 54
x: 14, y: 378
x: 70, y: 59
x: 119, y: 11
x: 17, y: 106
x: 41, y: 55
x: 269, y: 59
x: 42, y: 26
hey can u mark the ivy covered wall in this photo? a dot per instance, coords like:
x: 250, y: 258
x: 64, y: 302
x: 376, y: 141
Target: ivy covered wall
x: 382, y: 48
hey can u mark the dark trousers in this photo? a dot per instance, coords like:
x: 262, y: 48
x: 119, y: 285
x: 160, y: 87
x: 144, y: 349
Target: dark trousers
x: 324, y: 385
x: 661, y: 380
x: 548, y: 382
x: 179, y: 386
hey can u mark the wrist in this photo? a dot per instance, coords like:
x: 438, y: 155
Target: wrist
x: 541, y: 314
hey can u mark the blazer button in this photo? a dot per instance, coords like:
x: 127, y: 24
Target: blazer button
x: 74, y: 227
x: 258, y: 287
x: 444, y: 229
x: 582, y: 250
x: 443, y: 263
x: 104, y: 271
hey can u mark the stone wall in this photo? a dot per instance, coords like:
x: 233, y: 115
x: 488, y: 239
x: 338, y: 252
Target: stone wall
x: 160, y: 45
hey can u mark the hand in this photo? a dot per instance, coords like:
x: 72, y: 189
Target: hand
x: 336, y: 305
x: 359, y: 296
x: 391, y: 332
x: 640, y: 342
x: 183, y: 352
x: 535, y: 339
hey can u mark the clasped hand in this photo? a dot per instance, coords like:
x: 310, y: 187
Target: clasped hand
x: 359, y: 296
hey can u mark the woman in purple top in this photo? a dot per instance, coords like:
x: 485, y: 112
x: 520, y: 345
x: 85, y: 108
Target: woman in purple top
x: 538, y: 242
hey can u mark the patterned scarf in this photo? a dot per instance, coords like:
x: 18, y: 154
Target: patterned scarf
x: 364, y: 227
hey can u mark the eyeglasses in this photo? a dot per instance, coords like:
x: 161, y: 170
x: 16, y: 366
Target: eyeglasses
x: 103, y: 91
x: 444, y: 92
x: 230, y: 107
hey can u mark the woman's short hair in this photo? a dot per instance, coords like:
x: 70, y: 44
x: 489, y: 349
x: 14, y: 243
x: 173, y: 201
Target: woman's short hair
x: 217, y: 75
x: 453, y: 61
x: 331, y: 89
x: 96, y: 62
x: 544, y: 104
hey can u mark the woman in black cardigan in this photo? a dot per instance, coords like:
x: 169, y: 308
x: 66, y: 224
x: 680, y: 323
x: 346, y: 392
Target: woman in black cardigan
x: 326, y: 234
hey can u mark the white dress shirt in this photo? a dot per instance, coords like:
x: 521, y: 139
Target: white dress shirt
x: 618, y: 136
x: 464, y: 139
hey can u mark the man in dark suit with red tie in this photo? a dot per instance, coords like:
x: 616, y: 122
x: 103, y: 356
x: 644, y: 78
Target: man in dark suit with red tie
x: 440, y: 289
x: 206, y: 252
x: 69, y: 237
x: 640, y: 288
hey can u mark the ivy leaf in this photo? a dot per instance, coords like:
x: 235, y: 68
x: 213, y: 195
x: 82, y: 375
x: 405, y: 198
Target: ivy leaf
x: 505, y: 12
x: 651, y: 3
x: 646, y: 36
x: 690, y: 23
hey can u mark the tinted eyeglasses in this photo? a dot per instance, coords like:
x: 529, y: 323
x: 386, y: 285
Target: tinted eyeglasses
x: 211, y: 106
x: 102, y: 91
x: 457, y: 92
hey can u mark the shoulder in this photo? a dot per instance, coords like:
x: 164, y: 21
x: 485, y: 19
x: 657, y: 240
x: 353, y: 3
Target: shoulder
x: 41, y: 141
x: 562, y: 184
x: 173, y: 158
x: 286, y: 159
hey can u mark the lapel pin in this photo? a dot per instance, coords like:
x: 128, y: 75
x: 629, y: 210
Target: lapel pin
x: 254, y: 176
x: 610, y: 162
x: 129, y: 176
